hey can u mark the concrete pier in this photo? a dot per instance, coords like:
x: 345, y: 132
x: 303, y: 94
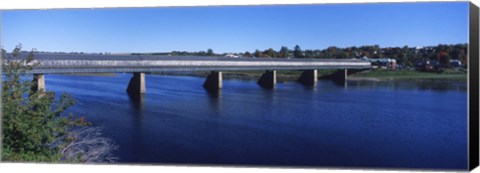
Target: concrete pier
x: 338, y: 76
x: 38, y: 82
x: 308, y: 78
x: 214, y: 81
x: 268, y: 79
x: 137, y: 84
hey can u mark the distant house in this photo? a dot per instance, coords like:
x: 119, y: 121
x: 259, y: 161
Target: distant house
x: 429, y: 65
x: 455, y: 63
x: 231, y: 56
x: 383, y: 63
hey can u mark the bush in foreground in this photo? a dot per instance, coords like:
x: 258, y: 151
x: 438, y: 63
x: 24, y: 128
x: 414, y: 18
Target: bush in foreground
x: 35, y: 127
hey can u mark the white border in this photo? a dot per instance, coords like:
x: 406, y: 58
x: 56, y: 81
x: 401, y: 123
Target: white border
x: 54, y: 4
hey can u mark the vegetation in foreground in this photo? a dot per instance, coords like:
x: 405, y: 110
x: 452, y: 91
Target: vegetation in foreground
x: 35, y: 127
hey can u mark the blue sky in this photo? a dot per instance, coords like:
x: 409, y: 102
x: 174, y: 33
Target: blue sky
x: 236, y: 28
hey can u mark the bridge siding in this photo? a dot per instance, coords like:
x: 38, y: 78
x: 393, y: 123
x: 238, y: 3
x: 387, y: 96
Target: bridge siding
x: 75, y: 63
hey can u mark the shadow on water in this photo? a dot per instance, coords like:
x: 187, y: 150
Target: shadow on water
x: 441, y: 86
x: 310, y: 88
x: 214, y: 93
x: 215, y: 100
x: 340, y: 83
x: 138, y: 103
x: 424, y: 85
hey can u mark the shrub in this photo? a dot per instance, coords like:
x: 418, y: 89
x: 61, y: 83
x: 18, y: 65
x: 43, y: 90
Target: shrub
x: 35, y: 127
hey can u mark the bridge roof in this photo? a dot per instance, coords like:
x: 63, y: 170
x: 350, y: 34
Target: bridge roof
x: 85, y: 63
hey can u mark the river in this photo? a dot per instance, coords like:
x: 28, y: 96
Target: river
x: 388, y: 124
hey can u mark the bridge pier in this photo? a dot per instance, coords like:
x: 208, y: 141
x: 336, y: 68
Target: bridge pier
x: 308, y: 77
x: 345, y: 74
x: 137, y: 84
x: 340, y: 76
x: 38, y: 82
x: 337, y: 76
x: 268, y: 79
x: 213, y: 81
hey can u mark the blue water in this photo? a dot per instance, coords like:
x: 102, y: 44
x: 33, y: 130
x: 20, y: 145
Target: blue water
x: 402, y: 124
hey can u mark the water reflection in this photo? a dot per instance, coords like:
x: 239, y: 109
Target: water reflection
x: 424, y: 85
x: 215, y: 100
x: 341, y: 83
x: 138, y: 102
x: 214, y: 93
x: 310, y: 87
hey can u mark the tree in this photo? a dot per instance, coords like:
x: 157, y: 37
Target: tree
x: 297, y: 52
x: 210, y: 52
x: 258, y: 53
x: 332, y: 52
x: 270, y: 53
x: 309, y: 53
x: 284, y: 52
x: 403, y: 56
x: 247, y: 54
x: 444, y: 58
x: 35, y: 126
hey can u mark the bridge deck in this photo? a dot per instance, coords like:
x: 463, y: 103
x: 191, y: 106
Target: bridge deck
x: 86, y: 63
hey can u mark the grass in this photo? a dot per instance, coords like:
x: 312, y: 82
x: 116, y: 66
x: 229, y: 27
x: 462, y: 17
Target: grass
x: 376, y: 75
x: 411, y: 74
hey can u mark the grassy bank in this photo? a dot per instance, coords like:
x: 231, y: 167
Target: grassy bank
x: 282, y: 75
x: 449, y: 74
x: 289, y: 75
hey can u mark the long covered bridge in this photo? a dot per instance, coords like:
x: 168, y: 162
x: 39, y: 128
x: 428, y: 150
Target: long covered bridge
x: 141, y: 64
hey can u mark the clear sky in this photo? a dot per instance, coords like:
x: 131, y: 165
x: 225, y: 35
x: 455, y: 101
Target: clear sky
x: 236, y: 28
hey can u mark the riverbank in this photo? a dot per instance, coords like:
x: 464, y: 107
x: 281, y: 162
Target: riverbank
x: 374, y: 75
x: 292, y: 75
x: 282, y: 75
x: 382, y: 75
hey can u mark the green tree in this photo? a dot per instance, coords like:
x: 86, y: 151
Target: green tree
x: 403, y: 56
x: 35, y: 127
x: 247, y: 54
x: 258, y: 53
x: 270, y: 53
x: 284, y: 52
x: 210, y: 52
x: 309, y: 53
x: 297, y: 52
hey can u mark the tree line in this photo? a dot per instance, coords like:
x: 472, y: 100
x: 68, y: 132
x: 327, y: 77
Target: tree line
x: 407, y: 56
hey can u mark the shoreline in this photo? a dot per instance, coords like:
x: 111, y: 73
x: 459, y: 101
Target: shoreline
x: 412, y: 77
x: 293, y: 76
